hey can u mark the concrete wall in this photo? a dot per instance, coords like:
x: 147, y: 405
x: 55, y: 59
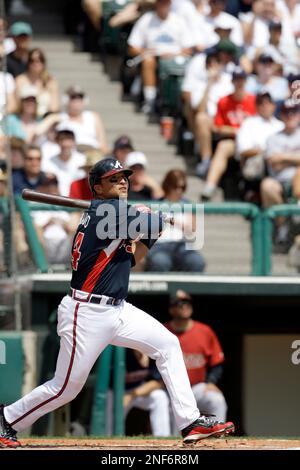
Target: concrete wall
x: 271, y: 385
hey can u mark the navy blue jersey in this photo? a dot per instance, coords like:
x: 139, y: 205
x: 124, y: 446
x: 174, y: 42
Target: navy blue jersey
x: 102, y: 247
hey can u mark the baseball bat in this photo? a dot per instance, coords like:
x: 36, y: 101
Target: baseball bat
x: 30, y: 195
x: 35, y: 196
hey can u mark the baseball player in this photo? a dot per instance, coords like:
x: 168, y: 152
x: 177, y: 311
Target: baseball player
x: 95, y: 313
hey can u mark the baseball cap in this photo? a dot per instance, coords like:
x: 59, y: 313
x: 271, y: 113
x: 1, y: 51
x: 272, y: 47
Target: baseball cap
x: 222, y: 22
x: 63, y: 128
x: 225, y: 45
x: 136, y: 158
x: 293, y: 77
x: 20, y: 28
x: 238, y: 72
x: 28, y: 91
x: 105, y: 168
x: 275, y: 24
x: 75, y: 90
x: 289, y: 106
x: 265, y: 58
x: 123, y: 142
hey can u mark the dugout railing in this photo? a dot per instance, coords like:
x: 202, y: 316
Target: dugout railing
x: 249, y: 211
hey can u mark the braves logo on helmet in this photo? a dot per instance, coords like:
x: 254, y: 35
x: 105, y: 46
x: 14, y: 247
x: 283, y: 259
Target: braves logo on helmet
x: 104, y: 169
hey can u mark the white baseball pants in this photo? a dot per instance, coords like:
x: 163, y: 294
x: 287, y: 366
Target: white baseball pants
x: 85, y: 330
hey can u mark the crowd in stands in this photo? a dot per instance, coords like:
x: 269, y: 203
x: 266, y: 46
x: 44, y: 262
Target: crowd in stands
x: 239, y: 98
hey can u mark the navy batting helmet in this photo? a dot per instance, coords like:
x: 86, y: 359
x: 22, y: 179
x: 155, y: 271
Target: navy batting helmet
x: 104, y: 169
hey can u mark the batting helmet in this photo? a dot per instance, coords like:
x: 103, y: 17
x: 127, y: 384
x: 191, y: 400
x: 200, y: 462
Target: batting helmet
x: 104, y: 169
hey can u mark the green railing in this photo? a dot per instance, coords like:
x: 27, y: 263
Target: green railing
x: 268, y: 217
x: 249, y: 211
x: 111, y: 359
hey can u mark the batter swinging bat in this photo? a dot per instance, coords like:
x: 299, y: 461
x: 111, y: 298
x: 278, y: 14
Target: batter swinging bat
x: 36, y: 196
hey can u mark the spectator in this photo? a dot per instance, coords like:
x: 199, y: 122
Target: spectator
x: 202, y: 354
x: 37, y: 75
x: 290, y: 11
x: 46, y: 136
x: 283, y: 159
x: 54, y: 228
x: 232, y: 111
x: 256, y: 24
x: 66, y: 165
x: 217, y: 16
x: 266, y: 81
x: 93, y: 9
x: 131, y: 12
x: 30, y: 176
x: 24, y: 125
x: 171, y: 252
x: 122, y: 147
x: 201, y: 31
x: 17, y: 152
x: 144, y: 389
x: 80, y: 189
x: 230, y: 55
x: 8, y: 103
x: 17, y: 60
x: 282, y: 156
x: 286, y: 56
x: 253, y: 135
x: 87, y: 125
x: 7, y: 83
x: 204, y: 98
x: 7, y: 45
x: 163, y: 34
x: 142, y: 186
x: 293, y: 91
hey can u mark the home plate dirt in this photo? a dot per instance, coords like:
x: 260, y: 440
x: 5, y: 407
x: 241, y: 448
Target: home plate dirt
x: 158, y: 444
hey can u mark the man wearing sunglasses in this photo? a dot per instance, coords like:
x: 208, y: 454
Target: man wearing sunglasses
x: 202, y: 354
x: 95, y: 313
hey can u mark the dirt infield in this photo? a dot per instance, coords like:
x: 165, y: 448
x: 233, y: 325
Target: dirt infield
x: 158, y: 444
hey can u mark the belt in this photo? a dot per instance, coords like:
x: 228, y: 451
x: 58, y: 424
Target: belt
x: 81, y: 296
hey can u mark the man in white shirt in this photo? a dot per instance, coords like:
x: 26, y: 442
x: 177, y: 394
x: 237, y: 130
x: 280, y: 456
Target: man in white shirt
x: 252, y: 137
x: 66, y: 165
x: 163, y: 34
x: 204, y: 99
x: 218, y: 17
x: 282, y: 156
x: 256, y: 24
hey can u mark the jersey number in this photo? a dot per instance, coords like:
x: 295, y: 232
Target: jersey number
x: 76, y: 253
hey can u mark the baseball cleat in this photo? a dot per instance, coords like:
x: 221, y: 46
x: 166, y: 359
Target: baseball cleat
x: 205, y: 427
x: 7, y: 433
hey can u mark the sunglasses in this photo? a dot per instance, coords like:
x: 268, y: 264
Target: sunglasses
x: 32, y: 61
x: 33, y: 158
x: 181, y: 303
x: 77, y: 96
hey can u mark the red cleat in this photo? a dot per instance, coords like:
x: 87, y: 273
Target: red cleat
x: 205, y: 427
x: 7, y: 433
